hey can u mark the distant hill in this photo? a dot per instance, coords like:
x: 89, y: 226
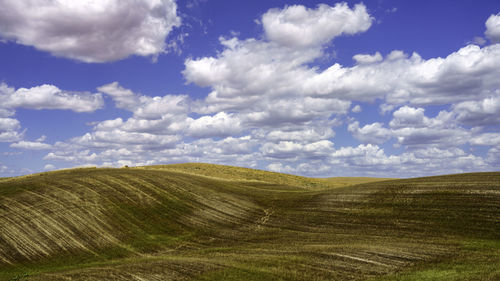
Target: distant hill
x: 213, y: 222
x: 245, y: 174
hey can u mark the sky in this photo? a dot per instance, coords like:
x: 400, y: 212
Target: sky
x: 381, y: 88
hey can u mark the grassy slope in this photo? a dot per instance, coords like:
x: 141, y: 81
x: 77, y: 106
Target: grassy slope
x: 207, y: 222
x: 245, y: 174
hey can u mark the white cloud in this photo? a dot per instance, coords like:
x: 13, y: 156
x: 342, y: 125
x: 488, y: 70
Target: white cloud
x: 318, y: 150
x: 278, y: 112
x: 421, y: 137
x: 372, y: 160
x: 49, y: 167
x: 391, y: 10
x: 356, y: 109
x: 3, y: 168
x: 486, y: 139
x: 469, y: 73
x: 10, y: 136
x: 298, y: 26
x: 49, y: 97
x: 412, y: 128
x: 433, y: 161
x: 145, y: 107
x: 493, y: 28
x: 123, y: 98
x: 407, y: 116
x: 158, y: 107
x: 109, y: 139
x: 270, y: 106
x: 6, y: 112
x: 157, y: 124
x: 294, y: 150
x: 480, y: 112
x: 373, y: 133
x: 303, y: 135
x: 219, y: 125
x: 283, y: 149
x: 364, y: 156
x: 9, y: 130
x: 251, y: 67
x: 262, y: 79
x: 31, y: 145
x: 9, y: 124
x: 90, y: 31
x: 367, y: 58
x: 478, y: 40
x: 279, y: 168
x: 79, y: 157
x: 493, y: 157
x: 385, y: 108
x: 229, y: 149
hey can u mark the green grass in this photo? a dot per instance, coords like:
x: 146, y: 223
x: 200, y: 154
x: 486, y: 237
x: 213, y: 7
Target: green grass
x: 473, y: 260
x: 212, y: 222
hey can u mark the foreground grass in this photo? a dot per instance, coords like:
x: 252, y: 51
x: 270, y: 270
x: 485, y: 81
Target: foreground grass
x: 207, y: 222
x: 473, y: 260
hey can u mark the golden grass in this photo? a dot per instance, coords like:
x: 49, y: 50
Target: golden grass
x: 231, y: 173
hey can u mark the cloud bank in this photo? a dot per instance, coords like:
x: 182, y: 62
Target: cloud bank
x: 270, y: 106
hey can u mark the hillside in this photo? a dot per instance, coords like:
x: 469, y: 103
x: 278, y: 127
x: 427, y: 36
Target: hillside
x: 231, y: 173
x: 210, y: 222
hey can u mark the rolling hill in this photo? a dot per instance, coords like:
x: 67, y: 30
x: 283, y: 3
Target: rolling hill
x: 212, y: 222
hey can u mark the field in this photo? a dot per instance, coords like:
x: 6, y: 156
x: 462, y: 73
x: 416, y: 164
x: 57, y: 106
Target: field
x: 211, y: 222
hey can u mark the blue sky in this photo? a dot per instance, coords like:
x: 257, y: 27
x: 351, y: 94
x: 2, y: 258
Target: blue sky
x: 317, y: 88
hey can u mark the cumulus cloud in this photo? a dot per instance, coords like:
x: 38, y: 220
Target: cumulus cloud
x: 90, y: 31
x: 493, y: 28
x: 294, y: 150
x: 363, y: 157
x: 157, y: 120
x: 157, y: 125
x: 49, y: 167
x: 479, y: 112
x: 280, y: 168
x: 467, y: 73
x: 374, y: 133
x: 247, y: 70
x: 123, y: 98
x: 263, y: 77
x: 356, y: 109
x: 299, y: 26
x: 49, y: 97
x: 3, y: 168
x: 31, y: 145
x: 486, y: 139
x: 110, y: 139
x: 412, y: 128
x: 493, y: 157
x: 270, y: 106
x: 8, y: 124
x: 407, y: 116
x: 221, y: 124
x: 367, y: 58
x: 39, y: 97
x: 145, y: 107
x: 9, y: 130
x: 305, y: 134
x: 422, y: 161
x: 250, y: 67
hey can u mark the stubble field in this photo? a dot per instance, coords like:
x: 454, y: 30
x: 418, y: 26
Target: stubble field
x: 211, y: 222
